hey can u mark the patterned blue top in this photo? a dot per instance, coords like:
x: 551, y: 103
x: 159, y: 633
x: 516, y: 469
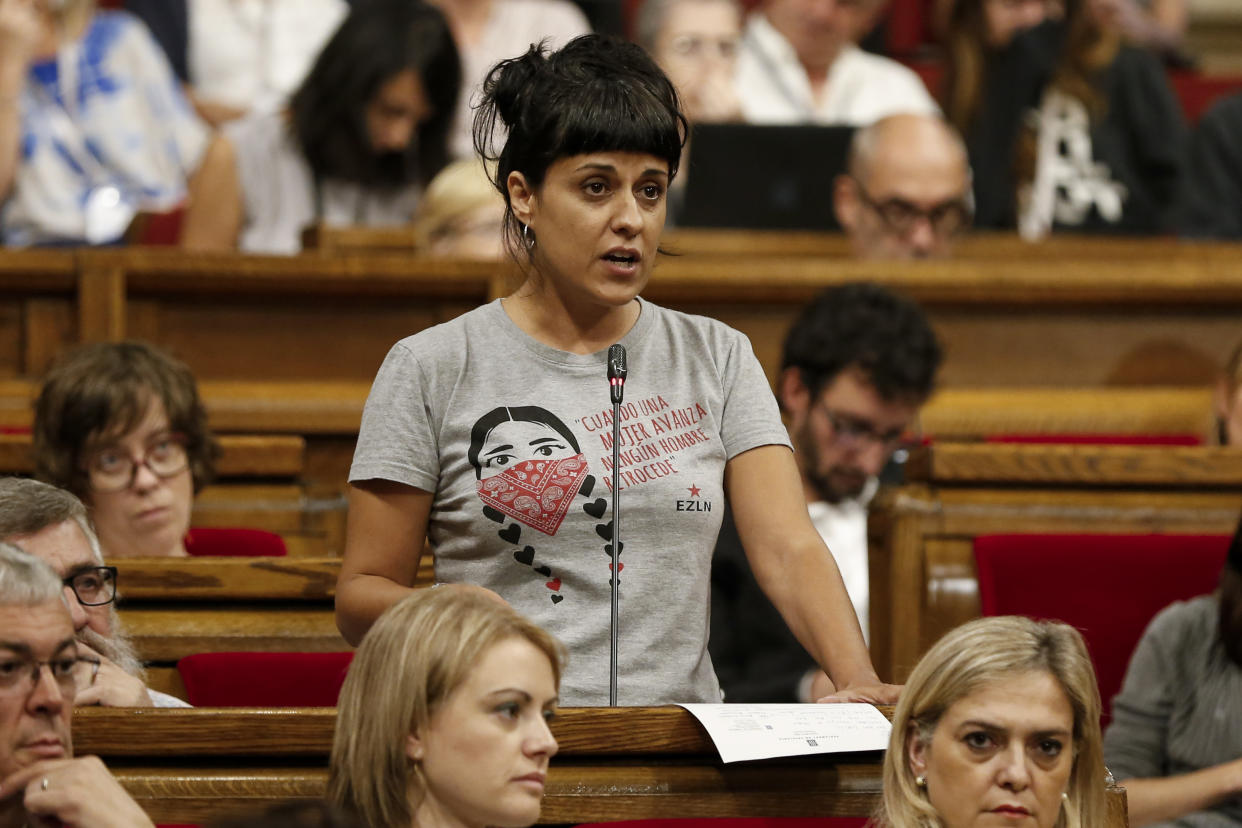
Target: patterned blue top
x: 106, y: 132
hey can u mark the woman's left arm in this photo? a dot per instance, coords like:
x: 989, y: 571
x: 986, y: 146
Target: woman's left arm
x: 797, y: 572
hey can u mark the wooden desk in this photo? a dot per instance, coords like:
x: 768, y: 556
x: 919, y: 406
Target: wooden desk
x: 187, y: 766
x: 923, y: 579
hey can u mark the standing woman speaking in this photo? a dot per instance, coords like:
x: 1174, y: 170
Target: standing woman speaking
x: 490, y: 435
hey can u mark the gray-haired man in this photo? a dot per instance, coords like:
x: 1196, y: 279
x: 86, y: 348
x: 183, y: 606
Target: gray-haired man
x: 52, y: 524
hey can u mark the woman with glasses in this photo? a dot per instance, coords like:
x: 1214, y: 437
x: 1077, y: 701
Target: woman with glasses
x: 121, y: 426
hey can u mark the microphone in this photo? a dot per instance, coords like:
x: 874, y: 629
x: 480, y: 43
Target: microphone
x: 616, y: 373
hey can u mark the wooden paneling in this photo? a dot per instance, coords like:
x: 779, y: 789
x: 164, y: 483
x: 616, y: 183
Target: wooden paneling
x: 973, y: 413
x: 1077, y: 465
x: 165, y: 634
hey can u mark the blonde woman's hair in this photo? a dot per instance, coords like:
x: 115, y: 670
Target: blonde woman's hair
x: 418, y: 652
x: 974, y: 655
x: 457, y: 191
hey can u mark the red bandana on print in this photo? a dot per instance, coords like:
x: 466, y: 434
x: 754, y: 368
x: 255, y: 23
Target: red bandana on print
x: 536, y: 492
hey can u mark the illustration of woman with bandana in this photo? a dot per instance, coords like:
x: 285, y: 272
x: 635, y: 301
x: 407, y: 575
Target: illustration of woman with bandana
x: 528, y: 465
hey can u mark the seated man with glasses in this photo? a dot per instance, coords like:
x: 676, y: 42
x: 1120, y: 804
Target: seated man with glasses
x: 121, y: 425
x: 42, y: 670
x: 51, y: 524
x: 906, y: 193
x: 858, y: 364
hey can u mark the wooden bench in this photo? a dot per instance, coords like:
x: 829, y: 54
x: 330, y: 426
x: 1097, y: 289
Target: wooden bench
x: 187, y: 766
x: 1108, y: 312
x: 174, y: 607
x: 923, y: 581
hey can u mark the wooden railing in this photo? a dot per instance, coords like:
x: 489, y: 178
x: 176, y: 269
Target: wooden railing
x: 186, y: 766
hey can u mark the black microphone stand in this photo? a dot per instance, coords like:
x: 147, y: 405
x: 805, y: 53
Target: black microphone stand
x: 617, y: 371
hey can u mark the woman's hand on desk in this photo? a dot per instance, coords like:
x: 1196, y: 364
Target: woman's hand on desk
x: 870, y: 693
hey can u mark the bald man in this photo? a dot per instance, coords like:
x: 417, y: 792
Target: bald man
x: 906, y: 192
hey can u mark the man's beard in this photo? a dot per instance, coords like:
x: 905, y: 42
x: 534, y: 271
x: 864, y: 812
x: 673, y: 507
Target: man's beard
x: 827, y: 485
x: 119, y: 648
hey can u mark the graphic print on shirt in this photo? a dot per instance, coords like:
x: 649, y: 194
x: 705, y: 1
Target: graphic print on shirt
x: 528, y: 466
x: 531, y: 469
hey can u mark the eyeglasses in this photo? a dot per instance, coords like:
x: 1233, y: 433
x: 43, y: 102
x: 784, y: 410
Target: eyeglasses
x: 19, y: 675
x: 852, y: 432
x: 112, y: 469
x: 946, y: 218
x: 688, y: 45
x: 94, y: 586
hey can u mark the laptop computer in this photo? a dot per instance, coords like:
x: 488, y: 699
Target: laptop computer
x: 763, y: 177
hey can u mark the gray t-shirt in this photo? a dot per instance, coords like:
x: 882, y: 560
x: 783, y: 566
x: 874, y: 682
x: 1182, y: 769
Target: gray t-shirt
x: 1180, y: 708
x: 514, y: 438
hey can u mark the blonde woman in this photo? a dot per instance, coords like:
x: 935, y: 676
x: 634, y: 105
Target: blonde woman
x: 443, y: 718
x: 999, y: 724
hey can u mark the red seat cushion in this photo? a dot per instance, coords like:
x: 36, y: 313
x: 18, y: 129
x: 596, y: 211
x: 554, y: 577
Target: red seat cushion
x: 1108, y: 586
x: 264, y: 679
x: 250, y: 543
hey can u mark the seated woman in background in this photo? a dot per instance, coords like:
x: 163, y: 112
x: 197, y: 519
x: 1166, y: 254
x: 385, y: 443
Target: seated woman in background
x: 1175, y: 741
x: 461, y: 216
x: 1068, y: 127
x: 93, y: 125
x: 121, y: 426
x: 695, y: 42
x: 999, y: 724
x: 1107, y: 149
x: 443, y: 718
x: 362, y: 136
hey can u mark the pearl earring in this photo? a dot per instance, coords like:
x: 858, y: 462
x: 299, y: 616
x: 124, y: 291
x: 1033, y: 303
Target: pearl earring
x: 921, y: 781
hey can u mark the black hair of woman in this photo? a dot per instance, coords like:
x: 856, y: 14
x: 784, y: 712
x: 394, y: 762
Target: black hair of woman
x: 597, y: 94
x: 377, y: 41
x: 486, y: 424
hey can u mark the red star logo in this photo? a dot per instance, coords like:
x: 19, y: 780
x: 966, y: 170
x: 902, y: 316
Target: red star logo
x: 694, y: 491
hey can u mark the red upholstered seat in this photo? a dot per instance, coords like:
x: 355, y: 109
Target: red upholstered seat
x: 1108, y: 586
x: 264, y: 679
x: 250, y: 543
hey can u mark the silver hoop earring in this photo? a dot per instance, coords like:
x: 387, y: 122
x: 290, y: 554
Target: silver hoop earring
x: 921, y: 781
x: 528, y: 238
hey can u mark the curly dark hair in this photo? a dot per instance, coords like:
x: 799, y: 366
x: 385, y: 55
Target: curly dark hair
x: 101, y: 391
x: 865, y: 326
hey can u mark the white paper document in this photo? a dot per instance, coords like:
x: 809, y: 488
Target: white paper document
x: 764, y: 731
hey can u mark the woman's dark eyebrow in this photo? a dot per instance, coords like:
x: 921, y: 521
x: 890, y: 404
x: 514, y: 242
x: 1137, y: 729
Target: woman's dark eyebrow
x: 498, y: 448
x: 542, y: 440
